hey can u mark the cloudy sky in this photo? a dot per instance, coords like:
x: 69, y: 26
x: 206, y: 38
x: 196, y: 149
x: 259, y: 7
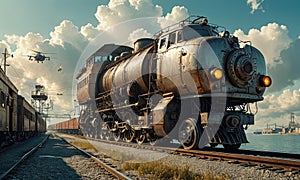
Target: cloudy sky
x: 68, y: 27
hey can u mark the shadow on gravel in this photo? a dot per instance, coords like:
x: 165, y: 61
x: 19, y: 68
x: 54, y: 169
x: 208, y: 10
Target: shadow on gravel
x: 54, y: 160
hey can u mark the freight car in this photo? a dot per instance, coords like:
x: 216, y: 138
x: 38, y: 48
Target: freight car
x: 70, y: 127
x: 8, y: 109
x: 30, y: 122
x: 193, y: 82
x: 18, y: 119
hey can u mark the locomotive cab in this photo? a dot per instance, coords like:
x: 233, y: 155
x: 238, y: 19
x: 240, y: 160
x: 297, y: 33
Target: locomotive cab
x: 198, y: 30
x: 185, y: 32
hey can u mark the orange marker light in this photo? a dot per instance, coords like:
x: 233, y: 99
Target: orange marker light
x: 265, y: 81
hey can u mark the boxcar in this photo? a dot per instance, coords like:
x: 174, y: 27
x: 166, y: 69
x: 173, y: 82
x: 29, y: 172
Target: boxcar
x: 73, y: 127
x: 18, y: 119
x: 8, y: 109
x: 70, y: 126
x: 27, y: 117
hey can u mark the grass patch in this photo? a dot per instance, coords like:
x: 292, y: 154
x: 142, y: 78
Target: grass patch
x: 157, y: 170
x: 84, y: 145
x: 115, y: 155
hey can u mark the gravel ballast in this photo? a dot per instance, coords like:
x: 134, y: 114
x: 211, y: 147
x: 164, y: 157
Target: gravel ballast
x: 10, y: 155
x: 58, y: 160
x: 203, y: 166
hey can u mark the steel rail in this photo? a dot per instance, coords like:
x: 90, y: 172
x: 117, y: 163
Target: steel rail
x: 250, y: 159
x: 111, y: 170
x: 25, y: 156
x: 263, y: 159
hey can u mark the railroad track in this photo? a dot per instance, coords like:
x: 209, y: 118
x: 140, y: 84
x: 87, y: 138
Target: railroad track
x: 19, y: 161
x: 280, y: 162
x: 50, y: 160
x: 104, y: 165
x: 263, y: 162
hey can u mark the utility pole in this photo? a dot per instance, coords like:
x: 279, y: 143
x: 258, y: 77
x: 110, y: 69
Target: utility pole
x: 5, y: 56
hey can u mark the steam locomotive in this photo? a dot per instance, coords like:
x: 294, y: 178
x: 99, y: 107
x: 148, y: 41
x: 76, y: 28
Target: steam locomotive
x: 193, y: 82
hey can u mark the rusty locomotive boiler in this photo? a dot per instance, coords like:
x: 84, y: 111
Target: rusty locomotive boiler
x: 191, y: 82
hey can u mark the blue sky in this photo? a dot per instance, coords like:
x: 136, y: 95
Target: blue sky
x: 20, y: 17
x: 66, y: 27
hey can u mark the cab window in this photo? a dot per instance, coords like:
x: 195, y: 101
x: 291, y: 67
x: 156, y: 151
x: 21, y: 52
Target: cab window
x: 163, y: 42
x: 104, y: 58
x: 111, y: 57
x: 179, y: 36
x: 173, y: 38
x: 191, y: 32
x: 97, y: 59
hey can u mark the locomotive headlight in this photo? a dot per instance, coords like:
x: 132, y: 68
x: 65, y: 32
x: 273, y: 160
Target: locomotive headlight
x: 216, y: 73
x: 265, y: 81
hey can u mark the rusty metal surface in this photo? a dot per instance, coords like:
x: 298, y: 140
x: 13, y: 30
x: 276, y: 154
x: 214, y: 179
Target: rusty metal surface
x: 129, y: 70
x: 159, y: 117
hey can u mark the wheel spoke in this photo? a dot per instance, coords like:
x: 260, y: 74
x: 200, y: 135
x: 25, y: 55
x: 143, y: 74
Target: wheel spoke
x: 117, y: 136
x: 129, y: 135
x: 140, y: 138
x: 153, y: 141
x: 108, y: 135
x: 102, y: 134
x: 189, y: 134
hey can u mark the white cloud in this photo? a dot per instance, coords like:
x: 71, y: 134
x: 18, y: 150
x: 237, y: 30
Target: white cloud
x: 125, y: 11
x: 67, y: 32
x: 255, y: 5
x: 118, y: 11
x: 286, y: 73
x: 26, y: 74
x: 177, y: 14
x: 4, y: 44
x: 277, y: 108
x: 26, y: 43
x: 53, y: 88
x: 287, y: 101
x: 89, y: 31
x: 298, y: 37
x: 270, y: 39
x: 138, y: 33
